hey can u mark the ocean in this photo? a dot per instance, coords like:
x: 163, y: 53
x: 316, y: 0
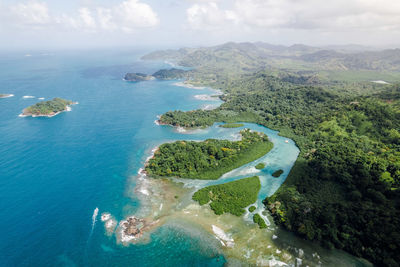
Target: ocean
x: 59, y: 174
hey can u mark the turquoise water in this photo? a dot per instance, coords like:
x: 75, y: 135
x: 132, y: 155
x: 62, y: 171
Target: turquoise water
x: 56, y: 171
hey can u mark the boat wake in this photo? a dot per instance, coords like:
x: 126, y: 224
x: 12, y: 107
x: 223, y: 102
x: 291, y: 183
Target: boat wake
x: 94, y: 219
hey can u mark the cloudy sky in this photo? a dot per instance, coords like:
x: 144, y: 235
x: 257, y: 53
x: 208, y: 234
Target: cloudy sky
x: 169, y: 23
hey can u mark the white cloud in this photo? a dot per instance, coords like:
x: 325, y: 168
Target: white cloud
x: 105, y: 19
x: 131, y: 14
x: 86, y: 17
x: 338, y: 15
x: 208, y: 16
x: 31, y: 13
x: 127, y: 16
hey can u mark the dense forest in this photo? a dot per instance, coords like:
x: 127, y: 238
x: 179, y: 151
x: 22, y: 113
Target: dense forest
x: 343, y: 190
x: 208, y: 159
x: 232, y: 197
x: 48, y: 107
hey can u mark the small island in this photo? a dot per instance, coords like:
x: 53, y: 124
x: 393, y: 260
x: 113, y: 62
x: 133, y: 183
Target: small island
x: 259, y: 220
x: 232, y: 125
x: 209, y: 159
x: 48, y: 108
x: 260, y: 166
x: 277, y: 173
x: 252, y: 208
x: 6, y: 95
x: 137, y: 77
x: 231, y: 197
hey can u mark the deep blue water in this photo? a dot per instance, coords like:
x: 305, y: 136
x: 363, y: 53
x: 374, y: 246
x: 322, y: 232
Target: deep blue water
x: 56, y: 171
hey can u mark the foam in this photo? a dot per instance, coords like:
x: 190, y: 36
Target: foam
x: 380, y: 82
x: 180, y: 129
x: 223, y: 237
x: 105, y: 216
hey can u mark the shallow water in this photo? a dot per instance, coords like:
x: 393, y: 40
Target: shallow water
x: 57, y: 171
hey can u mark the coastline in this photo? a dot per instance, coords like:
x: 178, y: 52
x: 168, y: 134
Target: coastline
x: 168, y: 199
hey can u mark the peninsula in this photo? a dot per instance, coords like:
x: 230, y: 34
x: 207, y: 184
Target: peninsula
x: 209, y: 159
x: 137, y: 77
x: 48, y: 108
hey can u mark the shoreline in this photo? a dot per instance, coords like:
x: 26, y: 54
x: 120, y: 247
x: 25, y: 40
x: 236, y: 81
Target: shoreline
x: 188, y: 85
x: 207, y: 97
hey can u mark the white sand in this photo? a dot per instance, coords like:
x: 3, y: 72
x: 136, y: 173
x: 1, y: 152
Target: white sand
x: 380, y: 82
x: 187, y: 85
x: 206, y: 97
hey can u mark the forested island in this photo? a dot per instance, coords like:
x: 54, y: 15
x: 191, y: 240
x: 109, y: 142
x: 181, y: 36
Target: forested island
x: 230, y: 197
x: 343, y: 190
x: 6, y: 95
x: 208, y: 159
x: 48, y: 108
x: 277, y: 173
x: 232, y: 125
x: 260, y: 166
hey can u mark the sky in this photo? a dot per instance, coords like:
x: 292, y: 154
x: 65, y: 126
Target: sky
x: 174, y: 23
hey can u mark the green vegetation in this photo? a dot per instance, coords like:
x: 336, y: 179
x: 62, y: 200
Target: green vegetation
x: 48, y: 108
x: 252, y: 208
x: 260, y: 166
x: 168, y: 74
x: 230, y: 197
x: 259, y: 220
x: 277, y: 173
x: 208, y: 159
x: 137, y: 77
x: 232, y: 125
x: 343, y: 190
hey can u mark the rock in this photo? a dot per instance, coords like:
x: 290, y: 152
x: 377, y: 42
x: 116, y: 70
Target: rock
x: 133, y: 226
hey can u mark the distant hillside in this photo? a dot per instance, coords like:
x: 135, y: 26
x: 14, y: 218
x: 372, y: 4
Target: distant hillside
x: 248, y: 57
